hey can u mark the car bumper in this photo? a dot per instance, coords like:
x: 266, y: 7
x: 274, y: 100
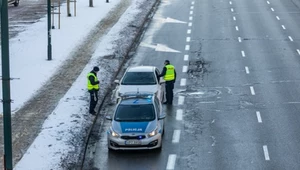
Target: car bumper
x: 146, y: 144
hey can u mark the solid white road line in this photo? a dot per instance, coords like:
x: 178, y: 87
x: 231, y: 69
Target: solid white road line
x: 258, y: 117
x: 179, y: 114
x: 184, y: 69
x: 187, y: 47
x: 283, y: 27
x: 298, y: 51
x: 232, y: 10
x: 190, y: 18
x: 266, y: 153
x: 240, y: 39
x: 272, y: 9
x: 191, y: 12
x: 234, y: 18
x: 176, y: 136
x: 291, y: 39
x: 268, y: 2
x: 243, y: 53
x: 188, y: 39
x: 186, y: 57
x: 189, y: 31
x: 180, y: 100
x: 190, y: 24
x: 171, y: 162
x: 182, y: 82
x: 247, y: 70
x: 237, y: 28
x: 277, y: 17
x: 252, y: 90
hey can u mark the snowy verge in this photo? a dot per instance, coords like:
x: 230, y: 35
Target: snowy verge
x: 59, y: 144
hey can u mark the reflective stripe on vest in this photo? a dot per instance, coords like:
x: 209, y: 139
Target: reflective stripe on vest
x: 170, y: 73
x: 89, y: 85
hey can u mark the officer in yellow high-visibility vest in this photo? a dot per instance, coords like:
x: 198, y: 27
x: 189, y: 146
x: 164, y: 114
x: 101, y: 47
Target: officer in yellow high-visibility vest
x: 169, y: 74
x: 93, y: 88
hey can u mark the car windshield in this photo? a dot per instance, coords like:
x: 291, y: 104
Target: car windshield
x: 139, y: 78
x: 135, y: 113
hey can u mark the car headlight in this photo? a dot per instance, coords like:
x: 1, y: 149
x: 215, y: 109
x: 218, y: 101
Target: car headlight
x: 113, y: 133
x: 153, y: 133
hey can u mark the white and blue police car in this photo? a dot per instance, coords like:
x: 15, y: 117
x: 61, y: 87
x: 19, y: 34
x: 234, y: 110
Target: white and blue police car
x: 137, y: 123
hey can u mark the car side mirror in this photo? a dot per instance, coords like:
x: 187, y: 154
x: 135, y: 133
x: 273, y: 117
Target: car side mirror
x: 108, y: 117
x: 117, y: 81
x: 162, y: 116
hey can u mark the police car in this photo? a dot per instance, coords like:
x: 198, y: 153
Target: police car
x: 143, y: 78
x: 137, y: 123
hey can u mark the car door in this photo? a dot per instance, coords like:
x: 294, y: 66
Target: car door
x: 161, y: 86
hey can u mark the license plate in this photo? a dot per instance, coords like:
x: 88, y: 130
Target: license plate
x: 133, y: 142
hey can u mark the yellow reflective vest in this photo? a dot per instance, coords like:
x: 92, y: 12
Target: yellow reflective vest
x: 170, y: 73
x: 89, y: 84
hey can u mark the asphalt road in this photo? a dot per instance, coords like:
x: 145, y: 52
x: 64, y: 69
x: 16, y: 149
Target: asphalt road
x: 237, y: 93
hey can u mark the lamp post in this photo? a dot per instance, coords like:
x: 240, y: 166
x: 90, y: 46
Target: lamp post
x: 49, y: 29
x: 6, y: 87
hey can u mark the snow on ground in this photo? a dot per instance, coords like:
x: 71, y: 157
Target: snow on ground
x: 28, y: 51
x: 28, y: 62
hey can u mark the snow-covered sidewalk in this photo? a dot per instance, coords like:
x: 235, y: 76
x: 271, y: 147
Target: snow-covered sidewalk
x: 63, y: 133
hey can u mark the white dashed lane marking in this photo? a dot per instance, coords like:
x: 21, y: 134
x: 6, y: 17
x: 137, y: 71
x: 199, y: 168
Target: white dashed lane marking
x: 187, y: 47
x: 268, y: 2
x: 190, y: 24
x: 184, y: 69
x: 243, y: 53
x: 179, y: 114
x: 190, y: 18
x: 189, y: 31
x: 272, y: 9
x: 188, y: 39
x: 186, y: 57
x: 298, y: 51
x: 192, y: 7
x: 171, y: 162
x: 176, y: 136
x: 232, y: 10
x: 230, y: 2
x: 182, y: 82
x: 236, y: 28
x: 291, y: 39
x: 283, y: 27
x: 277, y: 17
x: 258, y: 117
x: 266, y: 153
x: 240, y: 39
x: 193, y: 2
x: 191, y: 12
x: 247, y: 70
x: 252, y: 90
x: 234, y: 18
x: 181, y: 100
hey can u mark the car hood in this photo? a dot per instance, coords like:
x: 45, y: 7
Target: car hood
x: 142, y: 88
x: 134, y: 127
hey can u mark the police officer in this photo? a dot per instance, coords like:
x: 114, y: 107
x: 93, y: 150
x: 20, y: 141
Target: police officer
x: 93, y: 88
x: 169, y: 74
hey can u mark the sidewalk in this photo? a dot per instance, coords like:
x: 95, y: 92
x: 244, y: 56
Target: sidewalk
x: 60, y: 98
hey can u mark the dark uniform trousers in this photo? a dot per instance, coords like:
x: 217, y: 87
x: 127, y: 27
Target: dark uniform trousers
x: 93, y: 100
x: 169, y: 91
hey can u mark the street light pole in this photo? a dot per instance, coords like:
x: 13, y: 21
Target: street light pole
x: 49, y: 29
x: 6, y: 87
